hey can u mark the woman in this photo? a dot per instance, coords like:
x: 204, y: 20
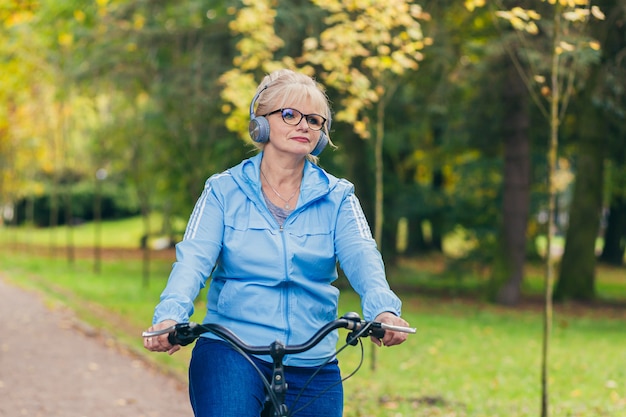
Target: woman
x: 269, y: 233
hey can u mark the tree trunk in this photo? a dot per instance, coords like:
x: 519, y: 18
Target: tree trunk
x: 379, y: 169
x: 615, y: 233
x: 577, y: 274
x: 145, y: 216
x: 69, y: 224
x: 358, y: 169
x: 437, y: 219
x: 511, y: 252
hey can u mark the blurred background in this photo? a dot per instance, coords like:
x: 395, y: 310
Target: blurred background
x: 486, y: 141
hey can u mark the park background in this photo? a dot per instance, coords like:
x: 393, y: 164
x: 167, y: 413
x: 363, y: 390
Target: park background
x: 477, y: 136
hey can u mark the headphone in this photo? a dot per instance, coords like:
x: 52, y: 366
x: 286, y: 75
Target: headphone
x: 259, y: 127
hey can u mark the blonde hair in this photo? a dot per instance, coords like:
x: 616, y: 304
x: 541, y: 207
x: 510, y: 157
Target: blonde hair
x: 283, y: 87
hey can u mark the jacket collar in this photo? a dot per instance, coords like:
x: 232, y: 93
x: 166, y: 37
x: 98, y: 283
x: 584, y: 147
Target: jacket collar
x: 316, y: 182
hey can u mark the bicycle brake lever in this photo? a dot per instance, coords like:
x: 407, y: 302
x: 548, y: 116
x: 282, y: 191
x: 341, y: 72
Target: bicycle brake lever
x: 183, y: 334
x: 374, y: 330
x: 377, y: 331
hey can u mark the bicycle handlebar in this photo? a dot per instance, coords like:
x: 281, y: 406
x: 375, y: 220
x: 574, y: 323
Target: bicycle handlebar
x: 185, y: 333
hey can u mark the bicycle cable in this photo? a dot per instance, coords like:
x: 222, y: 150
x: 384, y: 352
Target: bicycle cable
x: 193, y: 330
x: 356, y: 337
x: 268, y: 388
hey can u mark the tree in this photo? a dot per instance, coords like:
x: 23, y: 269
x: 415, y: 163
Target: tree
x: 614, y: 247
x: 608, y: 96
x: 363, y: 53
x: 570, y: 53
x: 577, y: 272
x: 384, y: 39
x: 511, y: 254
x: 25, y: 97
x: 573, y: 53
x: 577, y: 275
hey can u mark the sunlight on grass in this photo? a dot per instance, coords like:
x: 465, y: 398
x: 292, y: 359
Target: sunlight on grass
x: 122, y: 233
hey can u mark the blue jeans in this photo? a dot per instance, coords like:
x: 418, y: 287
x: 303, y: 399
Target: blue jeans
x: 222, y: 383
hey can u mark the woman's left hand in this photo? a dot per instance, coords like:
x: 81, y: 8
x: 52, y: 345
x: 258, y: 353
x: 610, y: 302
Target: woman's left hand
x: 391, y: 338
x: 160, y: 343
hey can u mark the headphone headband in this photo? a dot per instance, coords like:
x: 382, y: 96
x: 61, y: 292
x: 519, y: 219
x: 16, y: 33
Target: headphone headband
x: 254, y: 99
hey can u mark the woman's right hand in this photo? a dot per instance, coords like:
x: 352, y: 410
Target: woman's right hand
x: 160, y: 343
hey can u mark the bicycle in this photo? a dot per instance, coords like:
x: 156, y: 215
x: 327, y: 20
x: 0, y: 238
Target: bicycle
x: 185, y: 333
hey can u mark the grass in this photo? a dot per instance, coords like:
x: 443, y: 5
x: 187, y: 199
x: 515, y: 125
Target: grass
x: 468, y: 359
x: 431, y: 275
x: 121, y: 233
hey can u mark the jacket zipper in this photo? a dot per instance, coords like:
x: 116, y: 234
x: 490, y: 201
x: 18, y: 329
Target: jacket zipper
x: 286, y: 285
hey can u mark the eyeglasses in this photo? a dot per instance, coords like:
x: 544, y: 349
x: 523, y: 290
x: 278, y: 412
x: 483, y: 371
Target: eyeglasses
x: 293, y: 118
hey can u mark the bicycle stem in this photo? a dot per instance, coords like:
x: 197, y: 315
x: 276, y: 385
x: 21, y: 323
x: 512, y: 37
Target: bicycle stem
x: 279, y: 383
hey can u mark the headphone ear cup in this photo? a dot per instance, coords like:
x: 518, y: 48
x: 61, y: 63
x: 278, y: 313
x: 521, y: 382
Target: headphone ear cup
x: 259, y: 129
x: 321, y: 144
x: 323, y: 141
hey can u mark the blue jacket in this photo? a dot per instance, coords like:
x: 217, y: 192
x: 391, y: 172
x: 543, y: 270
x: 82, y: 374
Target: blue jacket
x: 269, y: 282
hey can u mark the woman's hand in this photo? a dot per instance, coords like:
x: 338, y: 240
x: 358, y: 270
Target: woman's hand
x: 160, y: 343
x: 391, y: 338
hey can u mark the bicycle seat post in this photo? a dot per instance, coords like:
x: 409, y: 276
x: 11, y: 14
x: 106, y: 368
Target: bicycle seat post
x: 279, y: 385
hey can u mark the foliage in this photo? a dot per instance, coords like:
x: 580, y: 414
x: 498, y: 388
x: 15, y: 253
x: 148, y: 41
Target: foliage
x: 116, y: 202
x: 364, y: 48
x: 156, y: 94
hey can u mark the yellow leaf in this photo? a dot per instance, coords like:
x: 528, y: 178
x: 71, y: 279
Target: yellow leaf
x: 17, y: 18
x: 519, y: 12
x: 65, y: 39
x: 79, y: 15
x: 474, y: 4
x: 597, y: 13
x: 503, y: 14
x: 567, y: 46
x: 517, y: 23
x: 310, y: 44
x: 576, y: 393
x: 595, y: 45
x: 576, y: 15
x: 138, y: 22
x: 532, y: 28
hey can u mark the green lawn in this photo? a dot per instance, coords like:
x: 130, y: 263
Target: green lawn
x: 468, y: 358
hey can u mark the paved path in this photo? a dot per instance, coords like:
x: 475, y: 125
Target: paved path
x: 48, y: 368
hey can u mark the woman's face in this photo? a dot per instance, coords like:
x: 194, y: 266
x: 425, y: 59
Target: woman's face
x: 290, y: 129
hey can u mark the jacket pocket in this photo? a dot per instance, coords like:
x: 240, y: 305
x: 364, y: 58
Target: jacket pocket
x: 313, y: 253
x: 248, y: 302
